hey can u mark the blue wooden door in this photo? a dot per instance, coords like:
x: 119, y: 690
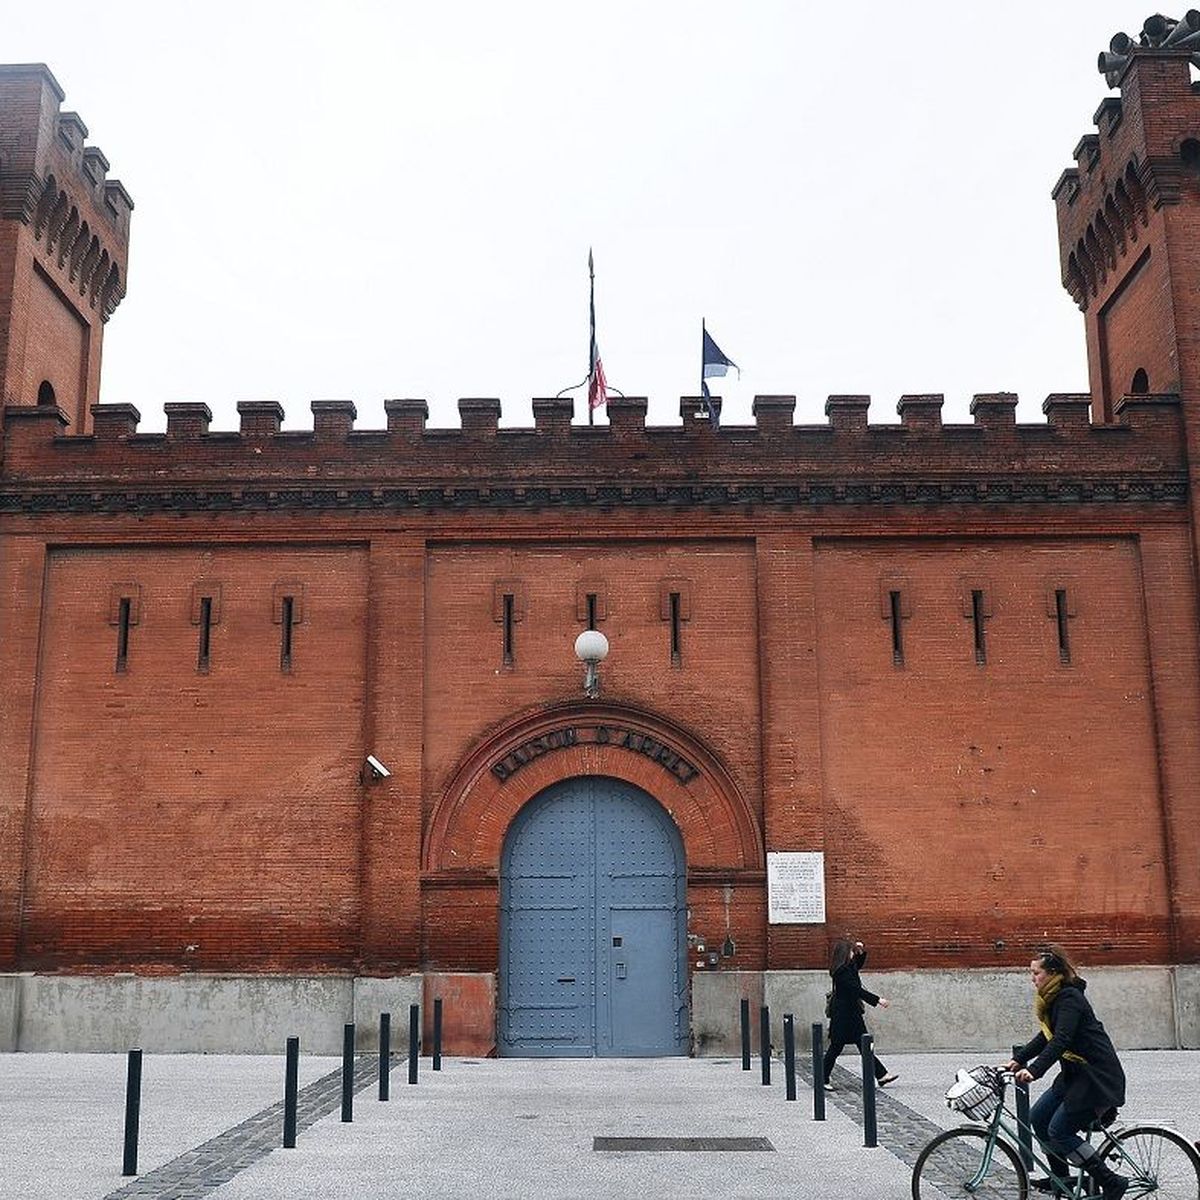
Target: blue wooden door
x: 593, y: 925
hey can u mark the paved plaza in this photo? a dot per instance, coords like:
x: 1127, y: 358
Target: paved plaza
x: 211, y: 1126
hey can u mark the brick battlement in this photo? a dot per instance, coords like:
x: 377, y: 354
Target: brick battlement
x: 64, y: 247
x: 1134, y: 165
x: 38, y: 139
x: 1140, y: 456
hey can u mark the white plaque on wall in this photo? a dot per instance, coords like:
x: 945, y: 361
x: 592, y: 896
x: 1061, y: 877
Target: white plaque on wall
x: 795, y: 887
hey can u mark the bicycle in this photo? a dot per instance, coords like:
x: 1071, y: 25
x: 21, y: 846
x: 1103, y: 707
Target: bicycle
x: 988, y: 1160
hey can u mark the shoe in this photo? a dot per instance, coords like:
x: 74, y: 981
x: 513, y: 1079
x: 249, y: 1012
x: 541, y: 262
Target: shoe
x: 1112, y: 1185
x: 829, y: 1087
x: 890, y: 1077
x: 1047, y: 1185
x: 1061, y: 1170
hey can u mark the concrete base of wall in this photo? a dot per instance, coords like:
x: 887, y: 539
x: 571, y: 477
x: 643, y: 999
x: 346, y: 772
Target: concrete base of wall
x: 716, y: 1004
x: 1142, y: 1008
x: 10, y: 1011
x: 1187, y: 1006
x: 199, y: 1014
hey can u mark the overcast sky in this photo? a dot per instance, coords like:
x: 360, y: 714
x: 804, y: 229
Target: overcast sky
x: 358, y: 201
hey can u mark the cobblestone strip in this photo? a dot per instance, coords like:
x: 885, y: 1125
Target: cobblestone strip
x: 199, y: 1171
x: 906, y: 1133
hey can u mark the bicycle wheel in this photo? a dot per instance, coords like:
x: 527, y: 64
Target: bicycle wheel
x: 948, y: 1165
x: 1157, y: 1162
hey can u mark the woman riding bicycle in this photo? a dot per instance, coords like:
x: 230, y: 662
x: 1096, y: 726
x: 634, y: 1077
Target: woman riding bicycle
x: 1090, y: 1080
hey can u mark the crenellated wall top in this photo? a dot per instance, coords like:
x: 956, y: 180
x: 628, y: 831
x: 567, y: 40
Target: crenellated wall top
x: 1146, y: 145
x: 41, y: 139
x: 54, y: 182
x: 1139, y: 457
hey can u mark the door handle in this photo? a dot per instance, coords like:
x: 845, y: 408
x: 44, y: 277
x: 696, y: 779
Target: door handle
x: 566, y: 979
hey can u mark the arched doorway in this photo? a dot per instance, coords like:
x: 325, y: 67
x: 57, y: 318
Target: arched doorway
x: 593, y: 925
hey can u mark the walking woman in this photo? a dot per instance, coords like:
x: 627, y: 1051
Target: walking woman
x: 1090, y: 1081
x: 846, y: 1024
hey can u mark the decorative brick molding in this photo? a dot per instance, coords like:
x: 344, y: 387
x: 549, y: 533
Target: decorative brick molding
x: 1167, y: 488
x: 468, y: 824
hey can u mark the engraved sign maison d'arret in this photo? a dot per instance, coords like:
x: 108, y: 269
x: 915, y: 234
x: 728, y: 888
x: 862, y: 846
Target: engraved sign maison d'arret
x: 618, y: 736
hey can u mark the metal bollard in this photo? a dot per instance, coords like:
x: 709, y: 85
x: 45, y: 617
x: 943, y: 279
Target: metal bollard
x: 290, y: 1075
x: 745, y: 1013
x: 764, y: 1042
x: 348, y: 1073
x: 414, y: 1040
x: 818, y: 1051
x: 385, y: 1054
x: 789, y: 1054
x: 133, y: 1111
x: 437, y: 1033
x: 870, y: 1131
x: 1024, y: 1132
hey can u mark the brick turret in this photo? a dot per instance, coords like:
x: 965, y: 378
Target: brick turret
x: 64, y: 240
x: 1129, y: 222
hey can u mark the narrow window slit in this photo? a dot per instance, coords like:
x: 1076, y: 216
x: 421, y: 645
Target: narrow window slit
x: 123, y: 615
x: 508, y: 630
x: 676, y: 651
x: 205, y: 632
x: 977, y: 621
x: 1061, y: 617
x: 286, y: 621
x: 897, y: 629
x: 591, y: 610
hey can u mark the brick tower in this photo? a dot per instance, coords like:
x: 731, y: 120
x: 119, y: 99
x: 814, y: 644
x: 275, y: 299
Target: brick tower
x: 1129, y: 223
x: 64, y: 239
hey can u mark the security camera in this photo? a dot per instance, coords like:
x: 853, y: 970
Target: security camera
x: 377, y: 769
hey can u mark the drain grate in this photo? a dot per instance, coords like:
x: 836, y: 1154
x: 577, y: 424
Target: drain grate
x: 682, y: 1143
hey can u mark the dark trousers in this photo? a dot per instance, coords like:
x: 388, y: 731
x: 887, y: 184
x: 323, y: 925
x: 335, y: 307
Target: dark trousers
x: 1057, y: 1127
x: 835, y: 1048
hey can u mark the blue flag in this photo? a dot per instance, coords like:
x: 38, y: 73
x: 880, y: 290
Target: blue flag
x: 714, y: 362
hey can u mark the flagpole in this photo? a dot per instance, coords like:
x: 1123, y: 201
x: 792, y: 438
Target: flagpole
x: 592, y: 338
x: 701, y: 357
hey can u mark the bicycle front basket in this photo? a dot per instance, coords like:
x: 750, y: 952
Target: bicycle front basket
x: 975, y: 1093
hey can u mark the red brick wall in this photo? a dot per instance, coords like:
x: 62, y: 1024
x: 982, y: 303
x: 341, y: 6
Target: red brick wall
x: 14, y: 305
x: 1010, y: 801
x: 958, y: 804
x: 713, y: 692
x: 22, y: 567
x: 794, y: 815
x: 197, y: 820
x: 391, y: 815
x: 8, y: 238
x: 56, y: 349
x: 1173, y: 619
x: 1141, y: 304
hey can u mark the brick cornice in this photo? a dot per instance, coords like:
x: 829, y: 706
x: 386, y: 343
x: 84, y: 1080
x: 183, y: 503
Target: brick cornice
x: 1169, y: 488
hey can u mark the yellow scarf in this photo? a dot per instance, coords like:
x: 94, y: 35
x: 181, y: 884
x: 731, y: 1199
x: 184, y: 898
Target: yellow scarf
x: 1042, y: 1000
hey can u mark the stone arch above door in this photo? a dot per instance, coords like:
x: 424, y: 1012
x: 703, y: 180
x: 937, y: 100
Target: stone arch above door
x: 512, y: 765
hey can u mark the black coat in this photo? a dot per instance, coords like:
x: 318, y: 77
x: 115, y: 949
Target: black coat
x: 846, y: 1022
x: 1097, y: 1084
